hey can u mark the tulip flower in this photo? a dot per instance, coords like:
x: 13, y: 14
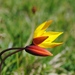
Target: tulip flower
x: 43, y: 39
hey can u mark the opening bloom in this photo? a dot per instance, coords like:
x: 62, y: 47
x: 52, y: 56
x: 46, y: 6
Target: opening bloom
x: 43, y: 39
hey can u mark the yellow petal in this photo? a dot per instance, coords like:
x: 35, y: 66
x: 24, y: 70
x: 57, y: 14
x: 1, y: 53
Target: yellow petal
x: 39, y: 34
x: 47, y: 24
x: 41, y: 28
x: 52, y: 36
x: 49, y: 45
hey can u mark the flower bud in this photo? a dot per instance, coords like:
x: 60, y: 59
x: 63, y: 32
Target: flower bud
x: 38, y: 51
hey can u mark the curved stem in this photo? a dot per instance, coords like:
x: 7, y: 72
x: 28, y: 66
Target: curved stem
x: 20, y: 49
x: 8, y: 50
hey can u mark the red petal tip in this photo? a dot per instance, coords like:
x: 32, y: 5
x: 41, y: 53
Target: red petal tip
x: 39, y: 40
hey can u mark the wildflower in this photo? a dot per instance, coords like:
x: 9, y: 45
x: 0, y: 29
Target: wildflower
x: 43, y: 39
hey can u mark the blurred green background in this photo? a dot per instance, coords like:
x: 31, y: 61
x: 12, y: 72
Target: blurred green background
x: 18, y: 20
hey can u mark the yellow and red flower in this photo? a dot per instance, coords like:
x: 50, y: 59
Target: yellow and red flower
x: 43, y: 39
